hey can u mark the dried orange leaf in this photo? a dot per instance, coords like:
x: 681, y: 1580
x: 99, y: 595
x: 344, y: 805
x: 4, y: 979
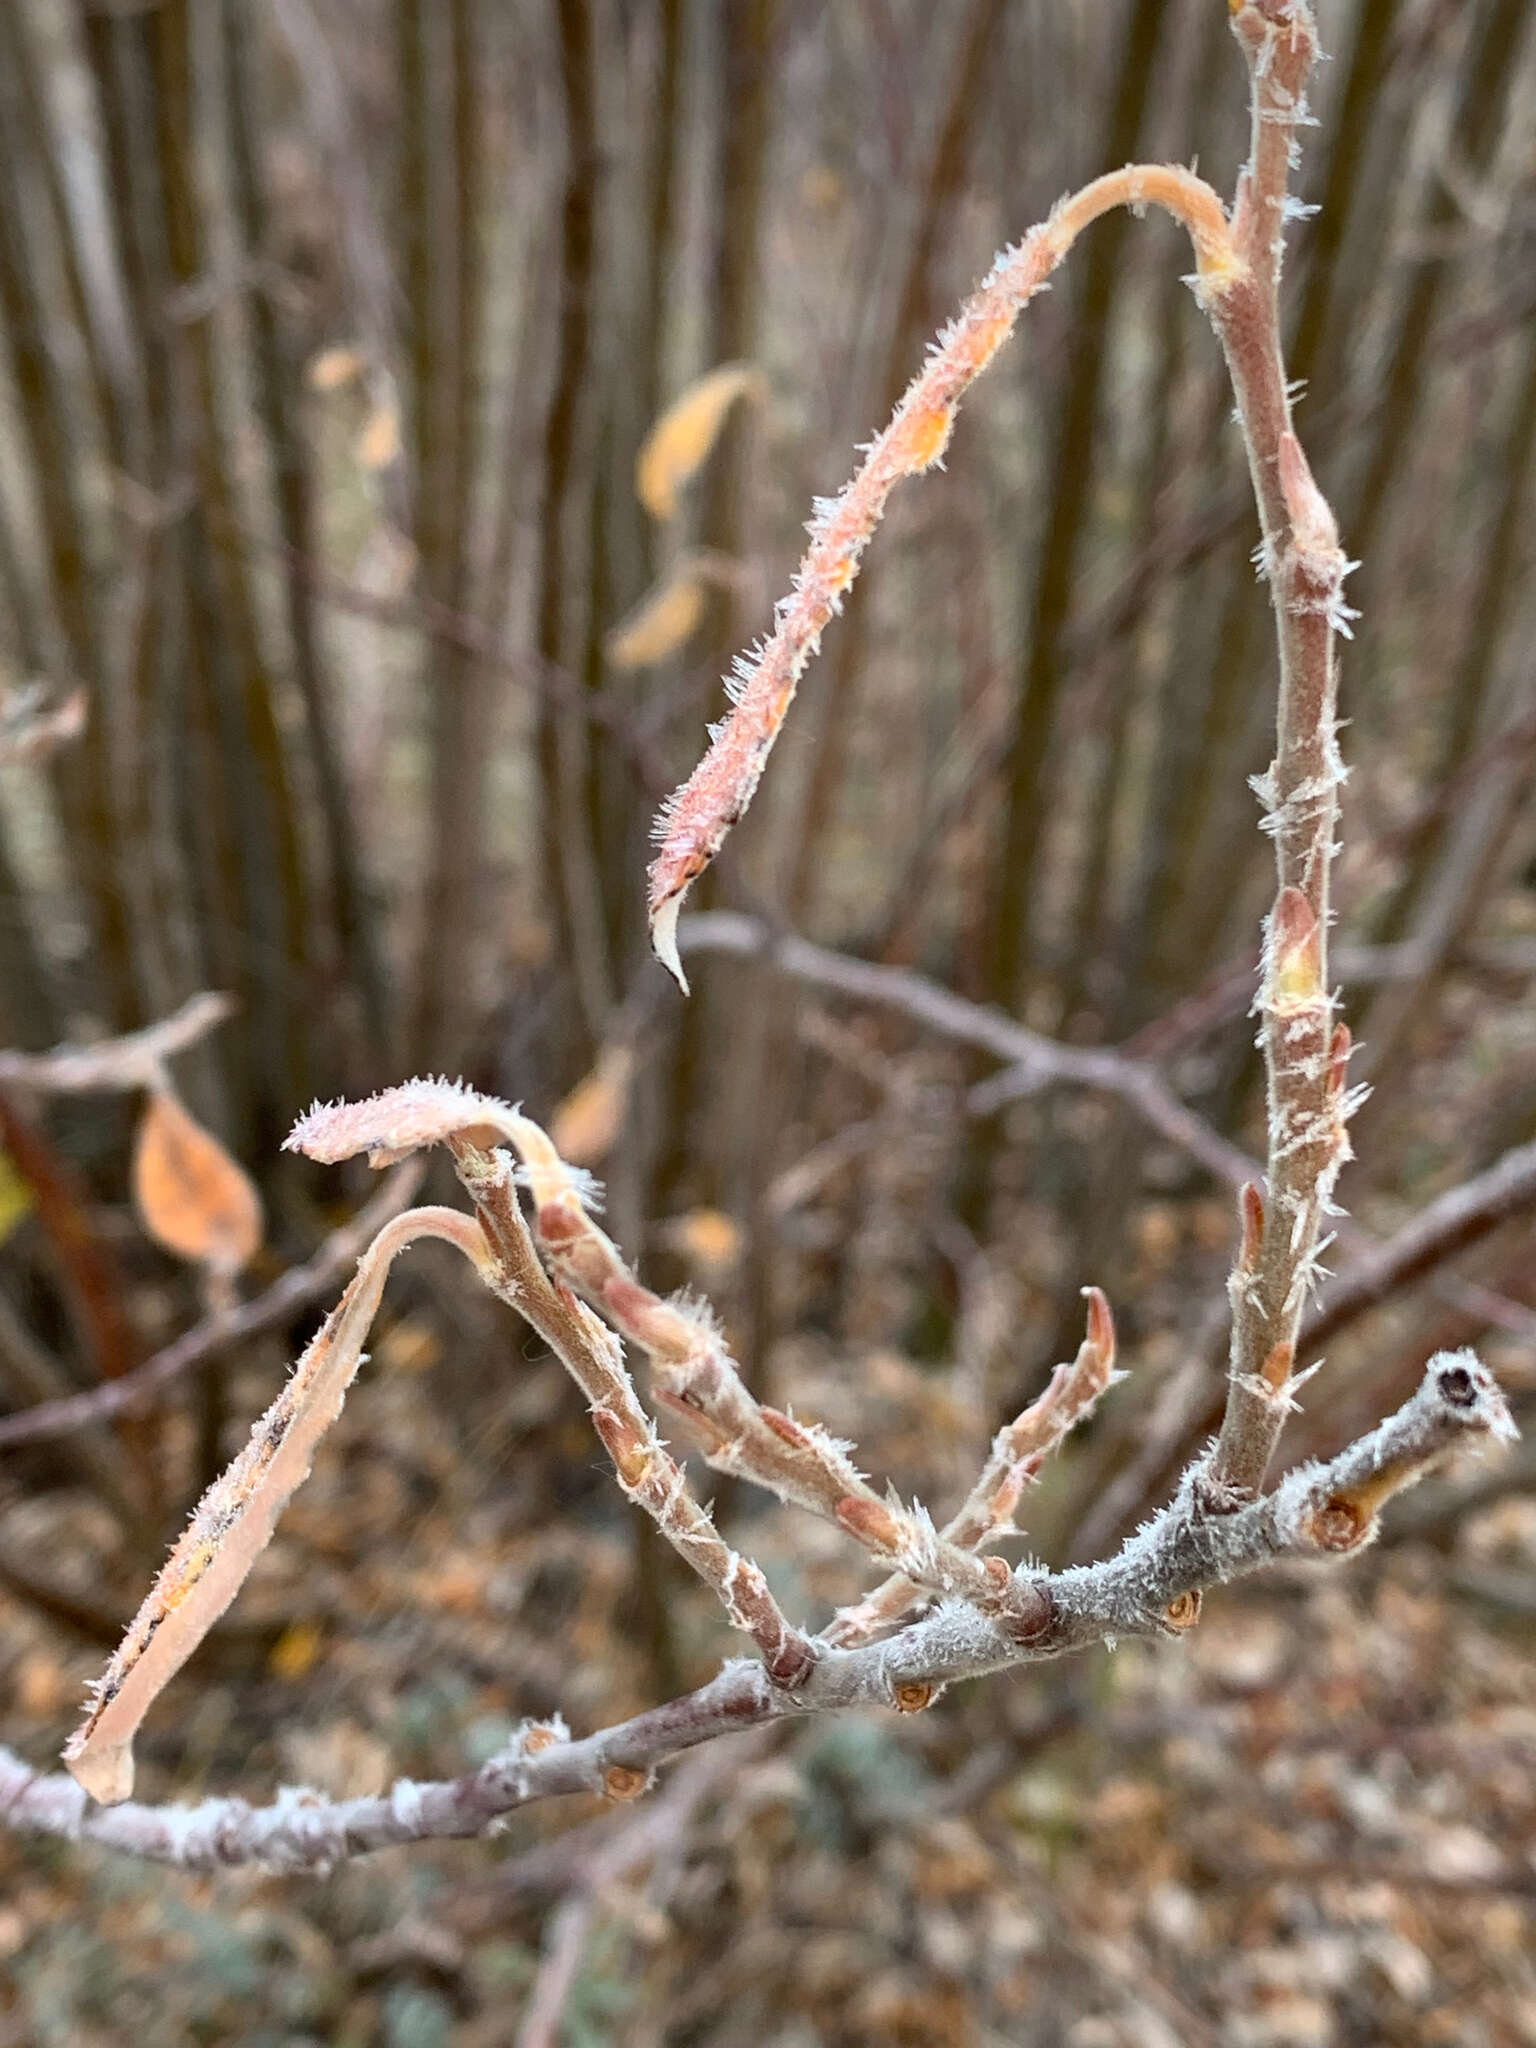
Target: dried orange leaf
x: 378, y: 445
x: 707, y: 1237
x: 400, y: 1121
x: 234, y: 1520
x: 331, y: 368
x: 191, y: 1196
x: 589, y: 1120
x: 660, y: 623
x: 679, y: 442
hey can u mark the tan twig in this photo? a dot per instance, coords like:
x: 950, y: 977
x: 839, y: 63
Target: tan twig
x: 647, y: 1474
x: 696, y: 1380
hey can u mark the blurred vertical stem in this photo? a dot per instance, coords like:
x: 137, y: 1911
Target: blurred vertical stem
x: 274, y: 885
x: 1066, y: 491
x: 441, y: 175
x: 277, y: 369
x: 570, y: 856
x: 82, y: 775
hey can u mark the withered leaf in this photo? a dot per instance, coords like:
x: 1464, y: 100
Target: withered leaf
x: 191, y: 1196
x: 680, y: 440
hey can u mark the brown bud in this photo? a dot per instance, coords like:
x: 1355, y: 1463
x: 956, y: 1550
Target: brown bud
x: 1101, y: 1324
x: 867, y: 1519
x: 1184, y: 1611
x: 622, y: 1782
x: 1312, y: 519
x: 632, y: 1306
x: 1251, y: 1211
x: 996, y: 1569
x: 1276, y: 1369
x: 1339, y: 1048
x: 1031, y: 1616
x: 1296, y: 953
x: 786, y: 1428
x: 631, y: 1455
x: 559, y: 1224
x: 702, y: 1428
x: 539, y: 1737
x: 1340, y: 1524
x: 913, y: 1694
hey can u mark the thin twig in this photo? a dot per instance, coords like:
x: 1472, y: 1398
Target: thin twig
x: 1033, y: 1061
x: 136, y: 1392
x: 133, y: 1061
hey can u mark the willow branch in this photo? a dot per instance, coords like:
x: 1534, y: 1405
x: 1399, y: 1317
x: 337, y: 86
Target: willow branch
x: 1150, y: 1588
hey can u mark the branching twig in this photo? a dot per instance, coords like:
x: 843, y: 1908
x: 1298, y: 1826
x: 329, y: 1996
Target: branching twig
x: 697, y: 1381
x: 647, y: 1474
x: 1033, y: 1061
x: 134, y: 1061
x: 1150, y: 1589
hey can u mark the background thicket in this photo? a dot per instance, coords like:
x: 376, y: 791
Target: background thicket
x: 329, y: 336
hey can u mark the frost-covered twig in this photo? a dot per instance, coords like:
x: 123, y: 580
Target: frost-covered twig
x: 1151, y: 1588
x: 696, y: 1381
x: 1018, y: 1451
x: 1305, y: 1052
x: 647, y: 1473
x: 695, y: 820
